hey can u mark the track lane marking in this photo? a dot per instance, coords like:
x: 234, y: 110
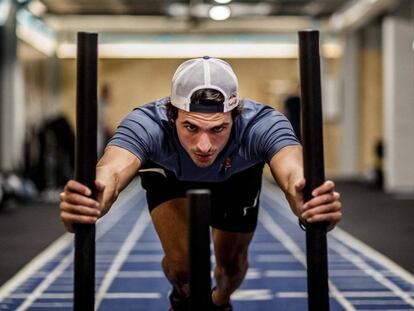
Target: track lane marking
x: 278, y: 233
x: 61, y: 244
x: 135, y: 234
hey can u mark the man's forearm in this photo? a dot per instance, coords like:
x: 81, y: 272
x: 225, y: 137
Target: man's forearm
x: 115, y: 170
x: 291, y: 190
x: 287, y: 170
x: 109, y: 178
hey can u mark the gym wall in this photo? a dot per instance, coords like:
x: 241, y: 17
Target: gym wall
x: 134, y: 82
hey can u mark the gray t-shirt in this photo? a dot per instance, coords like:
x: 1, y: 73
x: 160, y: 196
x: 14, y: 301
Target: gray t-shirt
x: 256, y: 136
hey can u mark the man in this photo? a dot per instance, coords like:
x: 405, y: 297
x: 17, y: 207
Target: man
x: 202, y: 136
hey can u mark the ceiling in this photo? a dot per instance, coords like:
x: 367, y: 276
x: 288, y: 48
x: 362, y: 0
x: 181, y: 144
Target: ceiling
x: 137, y: 28
x: 315, y: 8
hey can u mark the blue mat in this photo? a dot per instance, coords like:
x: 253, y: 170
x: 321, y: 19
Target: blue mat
x: 129, y: 276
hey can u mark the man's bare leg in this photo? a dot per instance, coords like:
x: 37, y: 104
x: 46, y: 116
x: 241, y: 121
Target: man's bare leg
x: 231, y: 267
x: 170, y: 221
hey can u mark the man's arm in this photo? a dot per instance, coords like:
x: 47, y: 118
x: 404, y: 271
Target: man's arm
x: 287, y: 169
x: 114, y: 171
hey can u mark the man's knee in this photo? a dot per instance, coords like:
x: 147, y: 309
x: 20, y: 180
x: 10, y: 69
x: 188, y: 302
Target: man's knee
x: 177, y: 268
x: 237, y: 264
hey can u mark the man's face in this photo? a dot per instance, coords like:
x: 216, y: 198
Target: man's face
x: 203, y: 135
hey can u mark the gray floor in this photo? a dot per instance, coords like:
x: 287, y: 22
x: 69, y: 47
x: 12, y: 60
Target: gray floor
x: 25, y: 230
x: 382, y: 221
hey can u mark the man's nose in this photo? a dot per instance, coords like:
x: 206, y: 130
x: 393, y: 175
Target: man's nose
x: 204, y: 143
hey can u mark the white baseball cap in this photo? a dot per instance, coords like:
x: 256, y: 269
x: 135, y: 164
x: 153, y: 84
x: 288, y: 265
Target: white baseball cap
x: 204, y: 73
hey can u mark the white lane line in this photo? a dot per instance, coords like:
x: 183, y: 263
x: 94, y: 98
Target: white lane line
x: 274, y: 258
x: 252, y: 274
x: 140, y: 274
x: 341, y: 236
x: 132, y: 258
x: 348, y: 294
x: 376, y: 275
x: 143, y: 246
x: 51, y: 305
x: 291, y: 295
x: 378, y: 302
x: 357, y: 245
x: 266, y: 247
x: 284, y: 274
x: 133, y: 296
x: 44, y: 296
x: 145, y: 258
x: 252, y: 294
x: 35, y: 264
x: 274, y: 229
x: 69, y: 296
x: 122, y: 255
x: 66, y: 261
x: 37, y: 293
x: 239, y: 295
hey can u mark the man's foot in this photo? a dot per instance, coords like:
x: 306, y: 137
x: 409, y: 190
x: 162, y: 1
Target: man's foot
x: 225, y: 307
x: 177, y: 302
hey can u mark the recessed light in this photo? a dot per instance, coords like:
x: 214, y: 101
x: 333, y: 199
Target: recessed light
x: 220, y: 12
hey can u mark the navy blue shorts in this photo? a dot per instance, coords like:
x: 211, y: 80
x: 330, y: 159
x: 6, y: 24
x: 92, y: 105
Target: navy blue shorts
x: 234, y: 202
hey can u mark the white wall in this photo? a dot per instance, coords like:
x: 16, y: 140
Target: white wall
x: 350, y: 102
x: 398, y: 63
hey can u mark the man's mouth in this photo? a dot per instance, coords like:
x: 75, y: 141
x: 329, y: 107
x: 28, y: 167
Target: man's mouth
x: 203, y: 157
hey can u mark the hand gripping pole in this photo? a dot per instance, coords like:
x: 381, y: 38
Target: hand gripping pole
x: 312, y: 135
x: 85, y: 166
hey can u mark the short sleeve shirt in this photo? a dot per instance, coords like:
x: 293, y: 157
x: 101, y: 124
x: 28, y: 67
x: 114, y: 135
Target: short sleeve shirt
x: 257, y: 134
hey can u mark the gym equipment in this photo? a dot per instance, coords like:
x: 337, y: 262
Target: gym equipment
x: 16, y: 188
x: 85, y: 166
x: 312, y: 140
x: 200, y: 280
x: 199, y: 238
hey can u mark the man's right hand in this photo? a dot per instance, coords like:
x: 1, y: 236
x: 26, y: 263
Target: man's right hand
x: 76, y: 205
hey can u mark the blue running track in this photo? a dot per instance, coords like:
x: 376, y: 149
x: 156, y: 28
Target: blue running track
x: 129, y: 277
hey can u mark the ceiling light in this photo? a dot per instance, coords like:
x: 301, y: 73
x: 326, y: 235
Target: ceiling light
x: 219, y: 12
x: 178, y: 10
x: 173, y: 49
x: 222, y: 1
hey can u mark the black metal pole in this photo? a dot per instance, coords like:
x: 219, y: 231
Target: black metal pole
x: 85, y: 166
x: 312, y: 140
x: 199, y: 236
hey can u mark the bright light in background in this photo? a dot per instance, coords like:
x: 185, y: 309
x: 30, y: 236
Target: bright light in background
x: 219, y: 12
x: 36, y: 39
x: 222, y: 1
x: 4, y: 11
x: 191, y: 50
x: 37, y: 8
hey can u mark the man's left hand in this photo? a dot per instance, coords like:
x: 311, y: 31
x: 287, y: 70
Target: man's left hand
x: 324, y: 206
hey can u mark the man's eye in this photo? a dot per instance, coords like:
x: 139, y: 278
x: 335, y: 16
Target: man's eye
x: 190, y: 127
x: 218, y: 129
